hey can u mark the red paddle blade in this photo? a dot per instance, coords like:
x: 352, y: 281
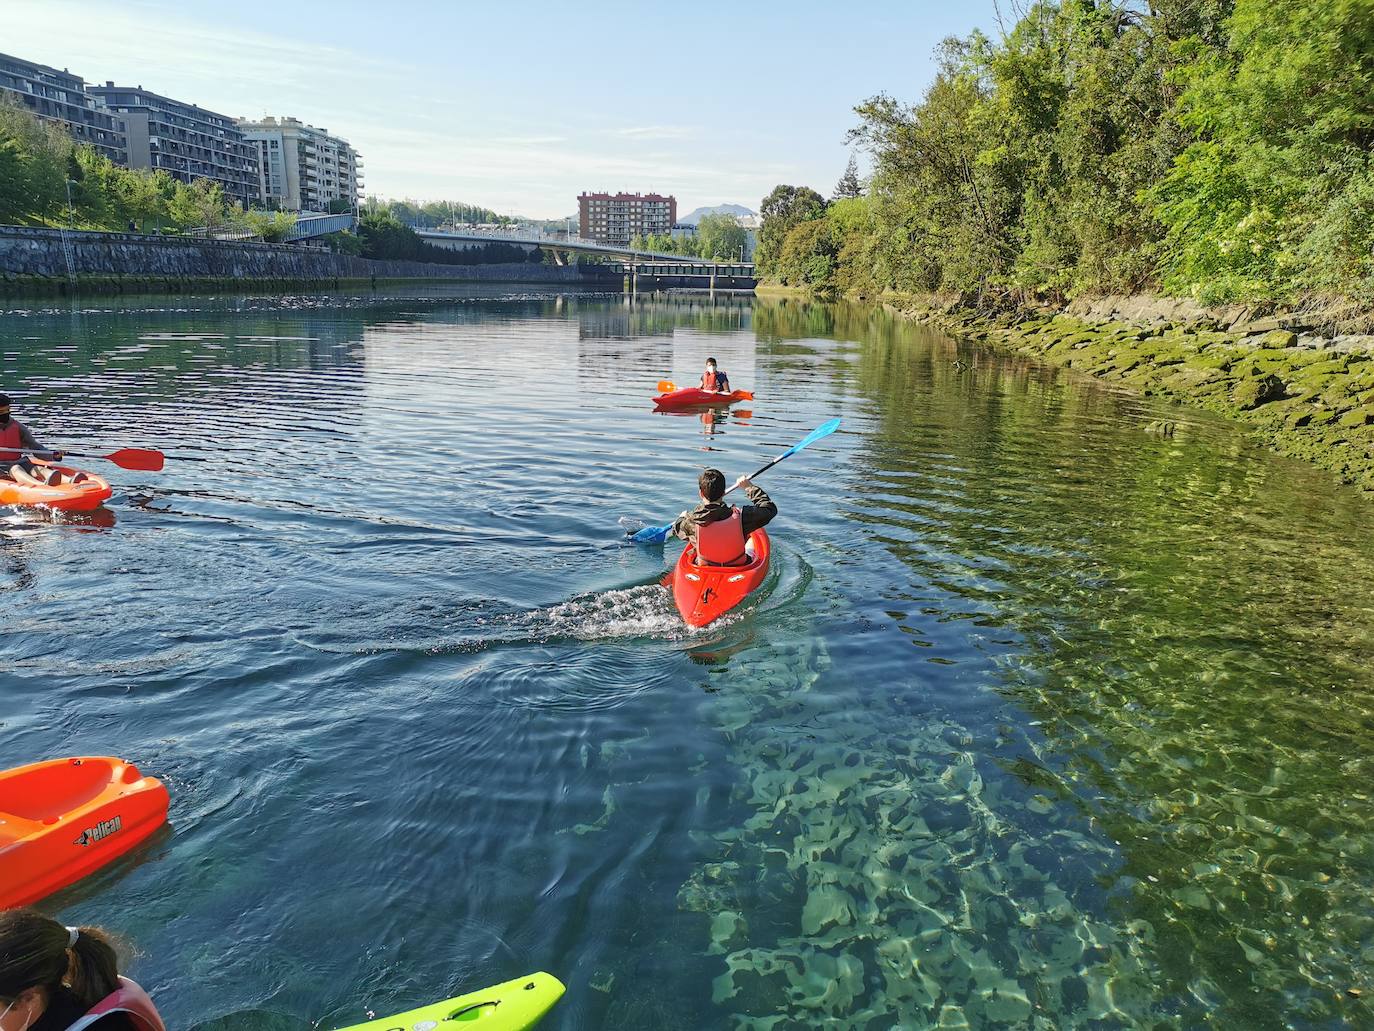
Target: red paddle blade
x: 143, y: 459
x: 666, y: 386
x: 745, y: 395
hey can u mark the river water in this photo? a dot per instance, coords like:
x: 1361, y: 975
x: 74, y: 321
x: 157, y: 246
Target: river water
x: 1040, y: 719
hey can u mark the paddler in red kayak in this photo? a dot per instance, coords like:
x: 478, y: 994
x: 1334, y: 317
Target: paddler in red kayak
x: 714, y: 379
x: 56, y: 978
x: 14, y: 437
x: 719, y: 531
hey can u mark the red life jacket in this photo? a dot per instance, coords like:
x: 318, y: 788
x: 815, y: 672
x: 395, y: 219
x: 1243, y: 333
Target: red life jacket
x: 128, y: 998
x: 722, y: 543
x: 11, y: 437
x: 713, y: 380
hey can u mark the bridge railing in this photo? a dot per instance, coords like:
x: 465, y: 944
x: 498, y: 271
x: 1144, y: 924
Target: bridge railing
x: 572, y: 243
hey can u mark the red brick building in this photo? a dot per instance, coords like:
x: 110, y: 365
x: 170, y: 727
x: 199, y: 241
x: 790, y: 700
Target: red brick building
x: 618, y: 217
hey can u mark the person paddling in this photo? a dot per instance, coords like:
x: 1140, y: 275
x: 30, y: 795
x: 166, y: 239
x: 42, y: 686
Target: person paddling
x: 56, y: 978
x: 14, y: 436
x: 719, y: 531
x: 714, y: 379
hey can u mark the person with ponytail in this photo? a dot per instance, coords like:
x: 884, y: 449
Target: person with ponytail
x: 56, y: 978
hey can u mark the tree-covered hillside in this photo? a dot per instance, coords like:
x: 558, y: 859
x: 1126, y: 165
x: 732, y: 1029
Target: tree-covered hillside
x: 1213, y: 148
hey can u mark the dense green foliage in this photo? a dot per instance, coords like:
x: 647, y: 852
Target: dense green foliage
x: 718, y: 236
x: 434, y: 213
x: 1213, y: 148
x: 39, y: 161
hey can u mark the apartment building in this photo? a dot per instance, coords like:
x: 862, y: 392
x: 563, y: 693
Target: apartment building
x: 60, y: 96
x: 185, y: 140
x: 303, y: 168
x: 617, y: 218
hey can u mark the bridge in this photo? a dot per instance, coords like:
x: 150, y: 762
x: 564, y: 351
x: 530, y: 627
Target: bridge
x: 556, y: 242
x: 641, y: 269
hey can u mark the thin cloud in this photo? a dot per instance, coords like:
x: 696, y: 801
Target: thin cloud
x: 651, y: 132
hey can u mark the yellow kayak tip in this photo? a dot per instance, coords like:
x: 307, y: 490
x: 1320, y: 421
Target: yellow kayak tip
x: 512, y: 1006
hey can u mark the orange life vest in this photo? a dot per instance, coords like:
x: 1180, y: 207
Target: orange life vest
x: 712, y: 380
x: 128, y: 998
x: 722, y: 543
x: 11, y: 437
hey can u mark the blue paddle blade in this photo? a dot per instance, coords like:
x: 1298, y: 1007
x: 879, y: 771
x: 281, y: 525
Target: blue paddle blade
x: 823, y: 430
x: 652, y: 534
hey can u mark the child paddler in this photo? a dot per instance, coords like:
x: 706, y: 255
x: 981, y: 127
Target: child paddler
x: 15, y: 438
x: 719, y: 531
x: 714, y: 379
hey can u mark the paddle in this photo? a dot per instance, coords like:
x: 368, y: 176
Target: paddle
x: 659, y: 534
x: 142, y: 459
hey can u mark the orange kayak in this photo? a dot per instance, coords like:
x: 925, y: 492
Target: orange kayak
x: 67, y: 496
x: 705, y: 593
x: 65, y: 818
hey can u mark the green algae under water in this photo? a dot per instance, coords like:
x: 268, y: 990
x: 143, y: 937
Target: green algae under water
x: 1040, y: 720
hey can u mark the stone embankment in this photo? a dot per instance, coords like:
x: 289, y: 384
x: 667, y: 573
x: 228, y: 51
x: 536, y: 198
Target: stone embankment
x: 1308, y: 393
x: 53, y: 261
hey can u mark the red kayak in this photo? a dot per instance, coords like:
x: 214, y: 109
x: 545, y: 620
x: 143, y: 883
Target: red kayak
x: 705, y: 593
x: 689, y: 396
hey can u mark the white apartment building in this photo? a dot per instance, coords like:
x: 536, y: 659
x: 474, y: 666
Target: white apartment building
x: 303, y: 168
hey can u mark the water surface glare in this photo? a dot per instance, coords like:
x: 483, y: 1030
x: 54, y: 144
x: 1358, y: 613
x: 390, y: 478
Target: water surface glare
x: 1040, y: 720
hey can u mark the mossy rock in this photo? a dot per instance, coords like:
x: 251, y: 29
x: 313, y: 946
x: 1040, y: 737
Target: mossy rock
x: 1249, y: 394
x: 1358, y: 417
x: 1217, y: 358
x: 1275, y: 338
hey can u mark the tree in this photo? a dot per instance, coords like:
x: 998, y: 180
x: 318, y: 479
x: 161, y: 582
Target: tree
x: 720, y: 236
x: 782, y: 209
x: 33, y: 161
x: 849, y: 184
x: 201, y: 203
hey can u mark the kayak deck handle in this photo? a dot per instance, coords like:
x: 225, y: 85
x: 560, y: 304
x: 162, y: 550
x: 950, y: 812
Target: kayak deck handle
x: 457, y: 1014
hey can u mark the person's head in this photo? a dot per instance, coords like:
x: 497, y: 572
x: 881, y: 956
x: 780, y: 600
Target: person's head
x: 40, y: 957
x: 4, y: 409
x: 710, y: 365
x: 711, y: 484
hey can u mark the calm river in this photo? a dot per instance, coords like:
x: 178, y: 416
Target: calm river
x: 1040, y: 720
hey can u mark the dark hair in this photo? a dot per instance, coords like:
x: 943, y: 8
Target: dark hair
x: 4, y: 399
x: 34, y: 953
x: 711, y: 483
x: 710, y: 361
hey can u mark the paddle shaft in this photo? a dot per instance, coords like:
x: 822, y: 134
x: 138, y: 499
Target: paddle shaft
x: 142, y: 459
x: 761, y: 471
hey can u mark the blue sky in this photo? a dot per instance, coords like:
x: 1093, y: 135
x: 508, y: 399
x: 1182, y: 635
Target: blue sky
x: 521, y: 104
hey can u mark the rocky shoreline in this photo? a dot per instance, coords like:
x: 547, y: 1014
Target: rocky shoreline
x: 1305, y: 389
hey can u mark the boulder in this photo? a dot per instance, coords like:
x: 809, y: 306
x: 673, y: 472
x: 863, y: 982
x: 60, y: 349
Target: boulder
x: 1251, y: 393
x: 1274, y: 339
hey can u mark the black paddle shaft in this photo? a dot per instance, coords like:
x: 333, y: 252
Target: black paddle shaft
x: 764, y: 469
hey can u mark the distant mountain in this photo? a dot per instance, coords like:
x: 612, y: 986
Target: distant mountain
x: 738, y: 210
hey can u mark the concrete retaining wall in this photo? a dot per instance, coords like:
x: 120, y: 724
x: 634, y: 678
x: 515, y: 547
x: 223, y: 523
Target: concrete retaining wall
x: 29, y: 257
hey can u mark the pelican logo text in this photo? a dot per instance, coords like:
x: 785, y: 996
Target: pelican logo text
x: 101, y: 830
